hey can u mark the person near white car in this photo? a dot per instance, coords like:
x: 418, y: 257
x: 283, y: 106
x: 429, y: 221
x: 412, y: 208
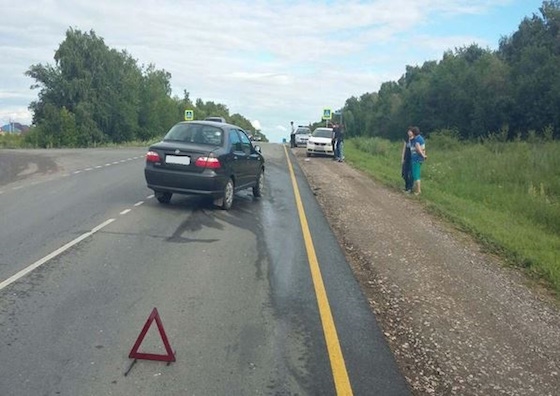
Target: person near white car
x: 293, y: 135
x: 338, y: 138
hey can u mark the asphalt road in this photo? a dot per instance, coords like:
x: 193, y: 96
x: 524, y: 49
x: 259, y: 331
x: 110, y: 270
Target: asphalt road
x: 236, y: 291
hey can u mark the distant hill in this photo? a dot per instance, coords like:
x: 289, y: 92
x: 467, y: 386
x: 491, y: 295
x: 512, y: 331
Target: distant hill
x: 15, y: 127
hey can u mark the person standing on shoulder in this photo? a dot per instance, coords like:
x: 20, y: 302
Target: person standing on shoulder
x: 339, y: 142
x: 333, y: 140
x: 293, y: 135
x: 406, y: 161
x: 418, y: 151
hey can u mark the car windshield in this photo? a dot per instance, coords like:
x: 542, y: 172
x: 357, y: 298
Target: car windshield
x: 195, y: 133
x: 324, y: 133
x: 303, y: 131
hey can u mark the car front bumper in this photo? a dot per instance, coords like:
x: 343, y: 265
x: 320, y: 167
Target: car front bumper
x: 325, y: 149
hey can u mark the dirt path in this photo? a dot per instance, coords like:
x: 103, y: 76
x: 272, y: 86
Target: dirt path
x: 458, y: 321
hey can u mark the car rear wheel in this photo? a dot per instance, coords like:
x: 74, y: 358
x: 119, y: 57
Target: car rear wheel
x: 163, y: 197
x: 227, y: 200
x: 259, y: 187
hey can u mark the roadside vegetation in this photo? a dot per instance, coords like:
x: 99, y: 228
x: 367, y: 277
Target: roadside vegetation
x: 492, y: 129
x: 472, y: 90
x: 23, y: 141
x: 505, y: 193
x: 12, y: 140
x: 94, y: 95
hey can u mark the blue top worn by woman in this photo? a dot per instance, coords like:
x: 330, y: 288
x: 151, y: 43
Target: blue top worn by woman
x: 417, y: 157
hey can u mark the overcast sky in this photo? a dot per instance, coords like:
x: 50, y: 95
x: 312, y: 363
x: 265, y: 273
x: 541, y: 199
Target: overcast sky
x: 271, y: 61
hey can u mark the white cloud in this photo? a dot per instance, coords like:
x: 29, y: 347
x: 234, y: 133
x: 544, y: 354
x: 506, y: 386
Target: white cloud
x: 271, y: 61
x: 256, y: 124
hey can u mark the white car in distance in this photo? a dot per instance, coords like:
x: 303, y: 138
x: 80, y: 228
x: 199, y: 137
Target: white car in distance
x: 302, y: 136
x: 320, y: 142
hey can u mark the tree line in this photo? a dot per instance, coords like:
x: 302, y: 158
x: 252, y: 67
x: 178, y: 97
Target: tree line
x: 94, y: 95
x: 512, y: 92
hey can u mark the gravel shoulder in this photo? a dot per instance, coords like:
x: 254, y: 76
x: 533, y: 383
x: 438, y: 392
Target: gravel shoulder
x: 459, y: 321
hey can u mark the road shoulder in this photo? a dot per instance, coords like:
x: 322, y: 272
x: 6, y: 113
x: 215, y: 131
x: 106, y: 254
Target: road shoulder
x: 458, y: 320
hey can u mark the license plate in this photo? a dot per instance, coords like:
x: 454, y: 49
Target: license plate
x: 178, y: 159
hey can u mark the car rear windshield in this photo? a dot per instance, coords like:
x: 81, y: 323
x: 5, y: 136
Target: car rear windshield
x: 324, y: 133
x: 195, y: 133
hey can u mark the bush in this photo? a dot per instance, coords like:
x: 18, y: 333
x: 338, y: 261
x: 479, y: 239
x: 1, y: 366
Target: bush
x: 11, y: 140
x: 496, y: 142
x: 374, y: 146
x: 445, y: 139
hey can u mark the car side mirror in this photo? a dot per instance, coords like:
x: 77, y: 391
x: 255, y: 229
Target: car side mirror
x: 257, y: 148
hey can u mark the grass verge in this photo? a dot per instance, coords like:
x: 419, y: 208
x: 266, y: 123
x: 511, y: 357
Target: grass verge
x: 506, y: 196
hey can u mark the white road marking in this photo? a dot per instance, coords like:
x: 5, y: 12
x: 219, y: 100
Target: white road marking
x: 150, y: 196
x: 125, y: 211
x: 138, y: 203
x: 84, y: 170
x: 52, y: 255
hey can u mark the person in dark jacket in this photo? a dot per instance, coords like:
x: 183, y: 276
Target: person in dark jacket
x: 293, y: 135
x: 338, y: 137
x: 406, y: 161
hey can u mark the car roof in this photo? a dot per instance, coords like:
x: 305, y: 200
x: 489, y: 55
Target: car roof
x: 213, y: 123
x: 215, y: 118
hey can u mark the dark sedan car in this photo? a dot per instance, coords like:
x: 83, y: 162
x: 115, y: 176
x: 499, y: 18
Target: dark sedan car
x: 204, y: 158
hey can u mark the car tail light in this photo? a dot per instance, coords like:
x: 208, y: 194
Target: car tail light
x: 152, y: 156
x: 208, y: 162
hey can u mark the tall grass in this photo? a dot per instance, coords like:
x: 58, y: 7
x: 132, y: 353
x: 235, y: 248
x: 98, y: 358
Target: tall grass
x: 12, y: 141
x: 507, y: 194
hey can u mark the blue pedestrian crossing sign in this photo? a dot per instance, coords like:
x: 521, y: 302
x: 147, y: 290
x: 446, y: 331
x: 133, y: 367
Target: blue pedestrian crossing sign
x: 189, y: 115
x: 327, y: 114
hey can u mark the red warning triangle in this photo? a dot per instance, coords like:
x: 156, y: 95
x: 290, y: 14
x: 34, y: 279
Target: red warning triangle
x: 170, y: 357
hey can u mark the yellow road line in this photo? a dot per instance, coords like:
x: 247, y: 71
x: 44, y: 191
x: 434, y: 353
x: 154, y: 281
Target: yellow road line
x: 338, y: 366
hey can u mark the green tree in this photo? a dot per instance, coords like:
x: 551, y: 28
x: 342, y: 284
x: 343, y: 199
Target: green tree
x: 388, y: 109
x: 157, y: 110
x: 98, y: 94
x: 533, y: 54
